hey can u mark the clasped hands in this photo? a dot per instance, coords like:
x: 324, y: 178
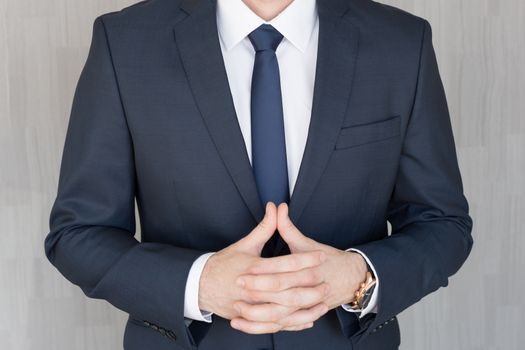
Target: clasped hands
x: 285, y: 293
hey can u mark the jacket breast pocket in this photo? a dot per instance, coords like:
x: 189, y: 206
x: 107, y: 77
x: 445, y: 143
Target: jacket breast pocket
x: 358, y: 135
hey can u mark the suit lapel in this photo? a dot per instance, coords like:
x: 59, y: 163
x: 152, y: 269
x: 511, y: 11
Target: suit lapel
x: 337, y: 52
x: 197, y: 40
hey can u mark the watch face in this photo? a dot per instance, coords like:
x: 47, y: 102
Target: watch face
x: 367, y: 296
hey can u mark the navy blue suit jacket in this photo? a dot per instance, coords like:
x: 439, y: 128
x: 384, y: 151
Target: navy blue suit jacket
x: 153, y: 120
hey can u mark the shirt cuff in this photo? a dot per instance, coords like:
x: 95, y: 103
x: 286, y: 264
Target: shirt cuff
x: 372, y: 304
x: 191, y: 292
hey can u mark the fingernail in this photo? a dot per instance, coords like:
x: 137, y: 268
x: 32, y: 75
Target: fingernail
x: 241, y: 282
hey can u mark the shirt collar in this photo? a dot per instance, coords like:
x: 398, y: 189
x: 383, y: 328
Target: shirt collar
x: 235, y: 20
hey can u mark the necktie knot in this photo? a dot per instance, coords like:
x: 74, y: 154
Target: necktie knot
x: 265, y: 37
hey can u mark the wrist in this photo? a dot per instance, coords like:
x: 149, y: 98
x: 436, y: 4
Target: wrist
x: 357, y: 274
x: 362, y: 295
x: 360, y: 267
x: 204, y: 300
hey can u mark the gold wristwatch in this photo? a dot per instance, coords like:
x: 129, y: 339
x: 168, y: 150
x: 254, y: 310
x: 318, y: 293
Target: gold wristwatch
x: 364, y: 293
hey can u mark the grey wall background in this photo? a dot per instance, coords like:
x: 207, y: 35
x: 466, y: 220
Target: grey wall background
x: 481, y: 51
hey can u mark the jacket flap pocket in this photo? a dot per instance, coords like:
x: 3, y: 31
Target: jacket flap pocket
x: 366, y: 133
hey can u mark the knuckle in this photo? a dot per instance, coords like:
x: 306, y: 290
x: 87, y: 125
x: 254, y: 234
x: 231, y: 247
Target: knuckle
x: 312, y: 276
x: 253, y: 295
x: 249, y: 282
x: 241, y: 311
x: 319, y: 292
x: 319, y: 277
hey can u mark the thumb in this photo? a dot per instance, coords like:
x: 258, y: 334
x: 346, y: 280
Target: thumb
x: 291, y: 234
x: 254, y: 242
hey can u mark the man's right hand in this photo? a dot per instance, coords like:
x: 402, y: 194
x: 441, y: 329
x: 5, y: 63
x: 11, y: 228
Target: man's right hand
x: 218, y: 289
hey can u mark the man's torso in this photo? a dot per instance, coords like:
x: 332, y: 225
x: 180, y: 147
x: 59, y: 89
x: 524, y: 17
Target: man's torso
x: 194, y: 184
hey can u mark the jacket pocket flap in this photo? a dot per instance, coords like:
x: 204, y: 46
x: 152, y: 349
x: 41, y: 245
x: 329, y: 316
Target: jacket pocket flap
x: 356, y: 135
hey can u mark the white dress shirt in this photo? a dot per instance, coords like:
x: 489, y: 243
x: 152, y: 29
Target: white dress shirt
x: 297, y: 56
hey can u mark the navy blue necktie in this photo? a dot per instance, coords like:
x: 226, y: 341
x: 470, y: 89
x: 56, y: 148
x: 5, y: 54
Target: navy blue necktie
x: 267, y: 125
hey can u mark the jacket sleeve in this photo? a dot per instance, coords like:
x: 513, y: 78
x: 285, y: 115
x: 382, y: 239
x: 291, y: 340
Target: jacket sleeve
x: 92, y: 221
x: 431, y: 228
